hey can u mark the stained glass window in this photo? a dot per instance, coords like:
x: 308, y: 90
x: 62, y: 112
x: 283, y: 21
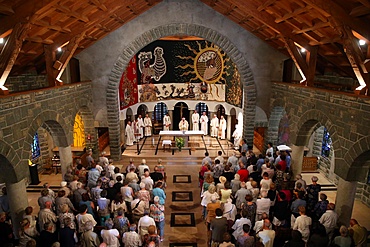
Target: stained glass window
x: 35, y: 147
x: 201, y: 107
x: 326, y: 144
x: 159, y: 111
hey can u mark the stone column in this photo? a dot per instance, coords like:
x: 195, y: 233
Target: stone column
x: 123, y: 131
x: 346, y: 192
x: 228, y: 128
x: 297, y: 159
x: 190, y: 121
x: 65, y: 154
x: 170, y: 113
x: 18, y: 201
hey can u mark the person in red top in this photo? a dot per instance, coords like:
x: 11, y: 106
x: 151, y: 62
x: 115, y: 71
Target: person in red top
x: 243, y: 172
x: 282, y: 162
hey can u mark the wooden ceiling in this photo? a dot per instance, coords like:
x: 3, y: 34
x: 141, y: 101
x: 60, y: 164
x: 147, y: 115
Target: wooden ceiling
x: 328, y: 29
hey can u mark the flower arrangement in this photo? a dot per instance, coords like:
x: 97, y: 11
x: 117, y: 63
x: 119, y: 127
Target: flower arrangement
x: 180, y: 143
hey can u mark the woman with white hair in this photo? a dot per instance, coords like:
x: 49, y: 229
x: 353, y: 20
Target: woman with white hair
x: 344, y: 240
x: 142, y: 167
x: 313, y: 191
x: 144, y: 195
x: 206, y: 198
x: 157, y: 213
x: 235, y: 184
x: 240, y: 195
x: 110, y: 236
x: 27, y: 232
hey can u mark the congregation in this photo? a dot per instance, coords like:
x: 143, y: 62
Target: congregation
x: 251, y: 200
x: 246, y: 200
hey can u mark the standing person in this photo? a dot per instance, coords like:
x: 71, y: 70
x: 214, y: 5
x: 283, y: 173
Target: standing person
x: 313, y: 191
x: 47, y: 216
x: 358, y: 233
x: 204, y: 123
x: 344, y: 240
x: 157, y: 213
x: 131, y: 238
x: 267, y: 236
x: 214, y: 126
x: 88, y: 237
x: 148, y: 125
x: 329, y: 220
x: 166, y: 122
x: 303, y: 223
x: 183, y: 125
x: 140, y: 124
x: 222, y: 128
x: 195, y: 120
x: 218, y: 227
x: 135, y: 126
x: 110, y: 236
x: 130, y: 135
x: 270, y: 149
x: 245, y: 240
x: 93, y: 177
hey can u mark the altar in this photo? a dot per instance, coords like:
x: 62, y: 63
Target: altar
x: 177, y: 133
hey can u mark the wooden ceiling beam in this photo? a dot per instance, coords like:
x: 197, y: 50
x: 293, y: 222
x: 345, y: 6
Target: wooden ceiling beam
x: 266, y: 4
x: 313, y: 28
x: 10, y: 53
x: 69, y: 12
x: 333, y: 9
x: 6, y: 9
x: 118, y: 19
x: 359, y: 11
x: 103, y: 28
x: 292, y: 14
x: 38, y: 39
x: 366, y: 3
x: 100, y: 5
x: 229, y: 10
x: 47, y: 25
x: 22, y: 13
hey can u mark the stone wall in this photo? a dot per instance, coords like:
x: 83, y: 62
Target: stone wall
x: 345, y: 116
x: 363, y: 193
x: 26, y: 82
x: 22, y: 114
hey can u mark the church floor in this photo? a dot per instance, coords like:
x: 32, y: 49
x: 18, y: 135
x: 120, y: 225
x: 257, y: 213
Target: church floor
x: 184, y: 226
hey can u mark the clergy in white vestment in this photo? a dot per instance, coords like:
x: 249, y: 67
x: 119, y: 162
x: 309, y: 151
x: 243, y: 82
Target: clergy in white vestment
x: 166, y: 122
x: 214, y: 126
x: 195, y: 120
x: 204, y: 123
x: 130, y: 137
x: 141, y: 126
x: 135, y: 127
x: 147, y: 125
x: 222, y: 128
x: 237, y: 136
x: 183, y: 125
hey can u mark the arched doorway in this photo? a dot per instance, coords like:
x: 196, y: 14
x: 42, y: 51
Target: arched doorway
x: 129, y: 115
x: 220, y: 111
x: 180, y: 110
x: 142, y: 110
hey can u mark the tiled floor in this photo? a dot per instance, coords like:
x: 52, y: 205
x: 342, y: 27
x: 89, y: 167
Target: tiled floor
x: 185, y: 167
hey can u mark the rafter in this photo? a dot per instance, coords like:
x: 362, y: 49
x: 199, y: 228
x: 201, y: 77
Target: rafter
x: 42, y: 23
x: 6, y: 10
x: 38, y: 39
x: 266, y: 4
x: 313, y: 28
x: 10, y: 52
x: 292, y: 14
x: 99, y: 4
x: 69, y: 12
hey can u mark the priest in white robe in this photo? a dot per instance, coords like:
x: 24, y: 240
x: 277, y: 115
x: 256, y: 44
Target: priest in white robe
x: 130, y: 137
x: 214, y: 126
x: 195, y: 120
x: 135, y: 127
x: 204, y: 123
x: 222, y: 128
x: 166, y: 122
x: 147, y: 125
x: 140, y: 126
x: 183, y: 125
x: 237, y: 136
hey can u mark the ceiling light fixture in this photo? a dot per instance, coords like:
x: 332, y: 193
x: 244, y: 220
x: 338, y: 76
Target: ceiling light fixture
x: 59, y: 49
x: 303, y: 50
x: 362, y: 42
x: 1, y: 40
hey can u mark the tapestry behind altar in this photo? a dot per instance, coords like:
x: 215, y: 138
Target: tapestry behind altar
x: 187, y: 70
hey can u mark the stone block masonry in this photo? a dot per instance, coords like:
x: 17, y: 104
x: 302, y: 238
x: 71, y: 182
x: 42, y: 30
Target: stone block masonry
x: 22, y: 114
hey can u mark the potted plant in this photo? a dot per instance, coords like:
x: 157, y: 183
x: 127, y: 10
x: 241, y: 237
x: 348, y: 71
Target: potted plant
x: 180, y: 143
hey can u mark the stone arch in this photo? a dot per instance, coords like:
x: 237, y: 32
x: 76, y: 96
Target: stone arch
x: 249, y: 88
x: 351, y: 167
x: 54, y: 123
x: 9, y: 162
x: 273, y: 125
x: 309, y: 122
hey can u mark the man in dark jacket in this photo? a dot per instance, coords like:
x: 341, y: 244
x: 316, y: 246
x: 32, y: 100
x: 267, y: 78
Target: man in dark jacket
x: 218, y: 227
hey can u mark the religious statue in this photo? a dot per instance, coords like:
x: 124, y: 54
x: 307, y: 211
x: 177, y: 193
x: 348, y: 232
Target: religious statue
x: 222, y: 128
x: 214, y: 126
x: 140, y: 125
x: 166, y: 122
x: 183, y: 125
x: 130, y: 136
x: 195, y: 120
x: 147, y: 125
x: 204, y: 123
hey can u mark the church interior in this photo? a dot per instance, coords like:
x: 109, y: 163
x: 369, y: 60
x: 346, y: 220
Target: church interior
x: 76, y: 75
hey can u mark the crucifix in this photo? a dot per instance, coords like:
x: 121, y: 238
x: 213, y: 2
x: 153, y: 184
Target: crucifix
x: 182, y: 107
